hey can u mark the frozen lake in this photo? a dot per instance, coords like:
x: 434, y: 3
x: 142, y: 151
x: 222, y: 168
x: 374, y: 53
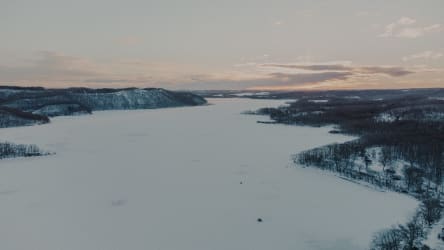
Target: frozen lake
x: 168, y: 179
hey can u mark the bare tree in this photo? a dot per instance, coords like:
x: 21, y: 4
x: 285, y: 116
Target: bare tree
x: 385, y: 157
x: 389, y: 239
x: 431, y: 210
x: 412, y: 233
x: 413, y: 177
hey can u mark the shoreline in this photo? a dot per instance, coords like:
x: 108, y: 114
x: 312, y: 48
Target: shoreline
x: 266, y: 179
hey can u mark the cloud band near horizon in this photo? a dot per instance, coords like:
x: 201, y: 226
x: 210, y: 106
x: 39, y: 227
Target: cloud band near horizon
x: 59, y: 70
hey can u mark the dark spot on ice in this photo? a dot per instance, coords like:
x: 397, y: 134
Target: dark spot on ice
x: 259, y: 220
x: 241, y: 182
x: 118, y: 203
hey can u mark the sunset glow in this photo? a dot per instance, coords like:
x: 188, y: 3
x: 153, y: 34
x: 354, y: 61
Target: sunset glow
x: 259, y: 45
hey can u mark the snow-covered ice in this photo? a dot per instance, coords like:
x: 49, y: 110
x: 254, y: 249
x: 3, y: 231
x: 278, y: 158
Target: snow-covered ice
x: 319, y: 101
x: 169, y: 179
x: 251, y: 94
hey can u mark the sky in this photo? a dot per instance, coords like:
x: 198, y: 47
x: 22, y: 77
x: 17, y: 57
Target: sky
x: 229, y: 44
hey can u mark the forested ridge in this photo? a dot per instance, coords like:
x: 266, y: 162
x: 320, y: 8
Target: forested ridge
x: 400, y: 148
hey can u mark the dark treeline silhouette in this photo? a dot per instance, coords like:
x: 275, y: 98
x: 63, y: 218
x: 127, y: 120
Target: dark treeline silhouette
x: 10, y: 150
x: 11, y: 117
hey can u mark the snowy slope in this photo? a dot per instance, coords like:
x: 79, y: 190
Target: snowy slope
x: 170, y: 179
x: 136, y: 99
x: 55, y: 102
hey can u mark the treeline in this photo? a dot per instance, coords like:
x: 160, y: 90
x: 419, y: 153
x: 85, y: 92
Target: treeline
x: 11, y: 117
x: 360, y: 116
x: 10, y: 150
x: 410, y: 235
x: 419, y: 141
x: 422, y: 172
x: 407, y: 130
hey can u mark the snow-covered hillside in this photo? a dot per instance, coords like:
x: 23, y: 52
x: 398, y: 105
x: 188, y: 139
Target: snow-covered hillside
x: 186, y: 178
x: 74, y: 101
x: 136, y: 99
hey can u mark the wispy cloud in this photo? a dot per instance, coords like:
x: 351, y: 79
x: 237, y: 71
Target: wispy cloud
x: 390, y: 71
x: 425, y: 55
x: 55, y: 69
x: 59, y: 70
x: 279, y: 76
x: 50, y: 66
x: 407, y: 27
x: 394, y: 71
x: 313, y: 67
x: 276, y: 80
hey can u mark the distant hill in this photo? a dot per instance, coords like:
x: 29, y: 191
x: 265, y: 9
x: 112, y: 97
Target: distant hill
x: 383, y: 94
x: 21, y: 106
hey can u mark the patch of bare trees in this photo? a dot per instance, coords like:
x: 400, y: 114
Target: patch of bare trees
x: 402, y: 237
x: 9, y: 150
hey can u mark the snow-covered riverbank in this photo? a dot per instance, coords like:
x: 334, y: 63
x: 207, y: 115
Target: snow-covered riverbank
x: 171, y: 179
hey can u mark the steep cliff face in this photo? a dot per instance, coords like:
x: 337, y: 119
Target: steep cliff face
x: 27, y: 106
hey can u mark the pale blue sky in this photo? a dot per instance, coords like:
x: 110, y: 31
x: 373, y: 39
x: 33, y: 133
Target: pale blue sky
x: 222, y: 44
